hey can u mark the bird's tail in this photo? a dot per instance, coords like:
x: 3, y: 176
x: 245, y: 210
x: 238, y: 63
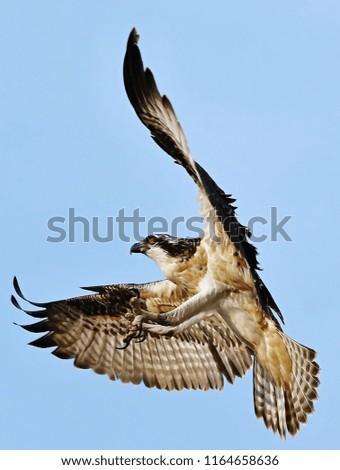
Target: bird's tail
x: 285, y: 402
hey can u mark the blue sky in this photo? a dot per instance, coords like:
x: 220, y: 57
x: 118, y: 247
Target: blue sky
x: 255, y: 85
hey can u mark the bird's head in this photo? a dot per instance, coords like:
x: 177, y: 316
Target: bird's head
x: 167, y: 251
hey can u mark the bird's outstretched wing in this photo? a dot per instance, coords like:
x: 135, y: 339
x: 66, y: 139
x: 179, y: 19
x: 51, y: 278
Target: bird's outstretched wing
x: 157, y: 114
x: 91, y: 330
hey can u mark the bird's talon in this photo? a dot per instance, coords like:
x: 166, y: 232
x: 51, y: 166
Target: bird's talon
x: 136, y: 332
x: 142, y: 337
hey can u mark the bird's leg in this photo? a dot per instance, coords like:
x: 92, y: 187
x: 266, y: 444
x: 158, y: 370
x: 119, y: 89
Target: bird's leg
x: 171, y: 330
x: 179, y: 319
x: 142, y: 315
x: 187, y: 314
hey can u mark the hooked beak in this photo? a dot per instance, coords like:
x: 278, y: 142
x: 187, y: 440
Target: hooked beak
x: 138, y: 248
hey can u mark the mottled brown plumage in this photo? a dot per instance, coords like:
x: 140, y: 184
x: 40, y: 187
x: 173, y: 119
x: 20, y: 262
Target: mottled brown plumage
x: 208, y: 320
x: 91, y: 330
x: 229, y: 283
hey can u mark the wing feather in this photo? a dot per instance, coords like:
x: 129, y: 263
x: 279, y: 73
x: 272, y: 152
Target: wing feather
x: 155, y: 111
x: 157, y: 114
x: 137, y: 375
x: 91, y: 328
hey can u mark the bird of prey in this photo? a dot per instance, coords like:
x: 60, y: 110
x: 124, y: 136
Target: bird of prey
x: 211, y: 319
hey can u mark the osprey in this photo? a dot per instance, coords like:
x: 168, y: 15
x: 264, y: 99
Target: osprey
x: 209, y: 320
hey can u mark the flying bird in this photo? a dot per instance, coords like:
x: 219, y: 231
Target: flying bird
x: 211, y: 319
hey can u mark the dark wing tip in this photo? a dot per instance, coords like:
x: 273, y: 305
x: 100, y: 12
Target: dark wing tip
x: 32, y: 313
x: 39, y: 327
x: 91, y: 288
x: 46, y: 341
x: 15, y: 302
x: 21, y: 295
x: 97, y: 289
x: 133, y: 38
x: 17, y: 288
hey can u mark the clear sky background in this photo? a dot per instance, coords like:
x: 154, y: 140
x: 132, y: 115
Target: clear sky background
x: 255, y: 85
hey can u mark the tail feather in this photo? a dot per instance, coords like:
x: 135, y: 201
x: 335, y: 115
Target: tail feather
x: 269, y: 401
x: 281, y: 411
x: 305, y: 371
x: 270, y: 405
x: 283, y: 407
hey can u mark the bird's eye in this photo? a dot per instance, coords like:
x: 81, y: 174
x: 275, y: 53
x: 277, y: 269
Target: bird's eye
x: 151, y: 240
